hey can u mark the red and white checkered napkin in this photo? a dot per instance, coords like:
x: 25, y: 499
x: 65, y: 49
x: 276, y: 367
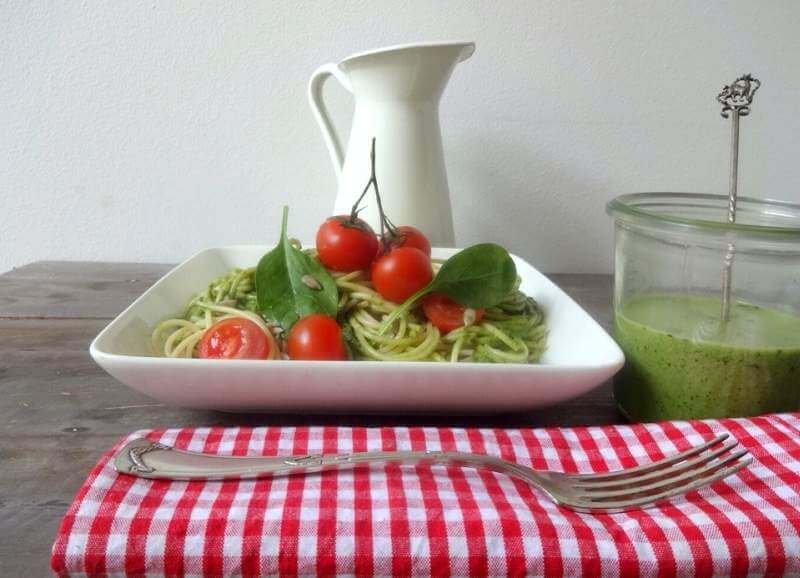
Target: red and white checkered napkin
x: 435, y: 520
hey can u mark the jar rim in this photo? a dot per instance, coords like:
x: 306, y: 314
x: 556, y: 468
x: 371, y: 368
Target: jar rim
x: 640, y: 206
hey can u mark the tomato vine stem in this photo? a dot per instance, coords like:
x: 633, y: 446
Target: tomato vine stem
x: 386, y: 225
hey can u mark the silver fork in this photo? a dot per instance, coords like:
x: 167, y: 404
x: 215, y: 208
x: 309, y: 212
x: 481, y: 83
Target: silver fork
x: 617, y: 491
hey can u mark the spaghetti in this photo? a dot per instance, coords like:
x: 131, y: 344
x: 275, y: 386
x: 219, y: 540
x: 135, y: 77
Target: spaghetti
x: 513, y: 331
x: 232, y: 295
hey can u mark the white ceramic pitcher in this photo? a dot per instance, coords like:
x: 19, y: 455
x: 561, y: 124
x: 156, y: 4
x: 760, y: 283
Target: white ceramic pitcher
x: 397, y: 91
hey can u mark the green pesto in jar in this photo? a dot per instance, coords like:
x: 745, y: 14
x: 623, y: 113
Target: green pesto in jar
x: 682, y: 362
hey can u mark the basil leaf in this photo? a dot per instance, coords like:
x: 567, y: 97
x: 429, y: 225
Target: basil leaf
x: 291, y: 284
x: 478, y: 277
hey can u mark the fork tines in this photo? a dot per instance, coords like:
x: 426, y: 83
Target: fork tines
x: 644, y: 485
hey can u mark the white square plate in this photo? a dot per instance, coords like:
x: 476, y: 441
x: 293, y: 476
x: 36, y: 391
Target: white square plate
x: 580, y: 355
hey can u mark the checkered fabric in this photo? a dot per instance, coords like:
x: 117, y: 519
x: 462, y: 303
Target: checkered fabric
x: 434, y: 520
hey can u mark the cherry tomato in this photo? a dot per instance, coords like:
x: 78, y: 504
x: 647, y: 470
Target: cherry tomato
x: 234, y: 338
x: 316, y: 337
x: 408, y: 236
x: 346, y: 245
x: 446, y: 314
x: 400, y: 273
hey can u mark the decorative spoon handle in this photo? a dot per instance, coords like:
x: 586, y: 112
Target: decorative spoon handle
x: 735, y: 99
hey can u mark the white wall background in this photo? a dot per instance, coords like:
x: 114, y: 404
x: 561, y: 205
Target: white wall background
x: 144, y: 131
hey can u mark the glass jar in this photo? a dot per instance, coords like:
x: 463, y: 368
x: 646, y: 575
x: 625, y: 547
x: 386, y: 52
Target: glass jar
x: 682, y: 360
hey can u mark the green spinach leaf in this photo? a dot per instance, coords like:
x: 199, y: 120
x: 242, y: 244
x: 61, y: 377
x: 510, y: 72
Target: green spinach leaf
x: 478, y: 277
x: 291, y: 284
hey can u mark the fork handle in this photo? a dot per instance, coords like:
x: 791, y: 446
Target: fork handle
x: 147, y: 459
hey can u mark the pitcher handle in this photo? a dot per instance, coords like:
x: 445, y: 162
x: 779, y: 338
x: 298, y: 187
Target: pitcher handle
x: 320, y: 111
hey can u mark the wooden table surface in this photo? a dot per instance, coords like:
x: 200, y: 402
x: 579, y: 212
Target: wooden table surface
x: 59, y: 411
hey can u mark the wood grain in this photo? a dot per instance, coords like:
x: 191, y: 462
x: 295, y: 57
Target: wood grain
x: 58, y: 289
x: 59, y: 411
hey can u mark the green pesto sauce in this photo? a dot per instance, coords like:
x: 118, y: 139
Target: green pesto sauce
x: 682, y: 362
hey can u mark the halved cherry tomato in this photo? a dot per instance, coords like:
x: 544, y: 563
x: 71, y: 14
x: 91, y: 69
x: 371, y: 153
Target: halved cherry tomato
x: 234, y: 338
x: 445, y: 313
x: 408, y: 236
x: 400, y: 273
x: 344, y: 244
x: 316, y: 337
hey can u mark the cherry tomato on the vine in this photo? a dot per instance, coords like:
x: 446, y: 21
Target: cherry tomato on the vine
x: 407, y: 236
x: 400, y: 273
x: 345, y: 244
x: 446, y: 314
x: 316, y: 337
x: 234, y: 338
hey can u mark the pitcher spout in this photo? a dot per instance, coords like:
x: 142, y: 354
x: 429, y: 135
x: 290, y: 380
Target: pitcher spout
x: 408, y: 71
